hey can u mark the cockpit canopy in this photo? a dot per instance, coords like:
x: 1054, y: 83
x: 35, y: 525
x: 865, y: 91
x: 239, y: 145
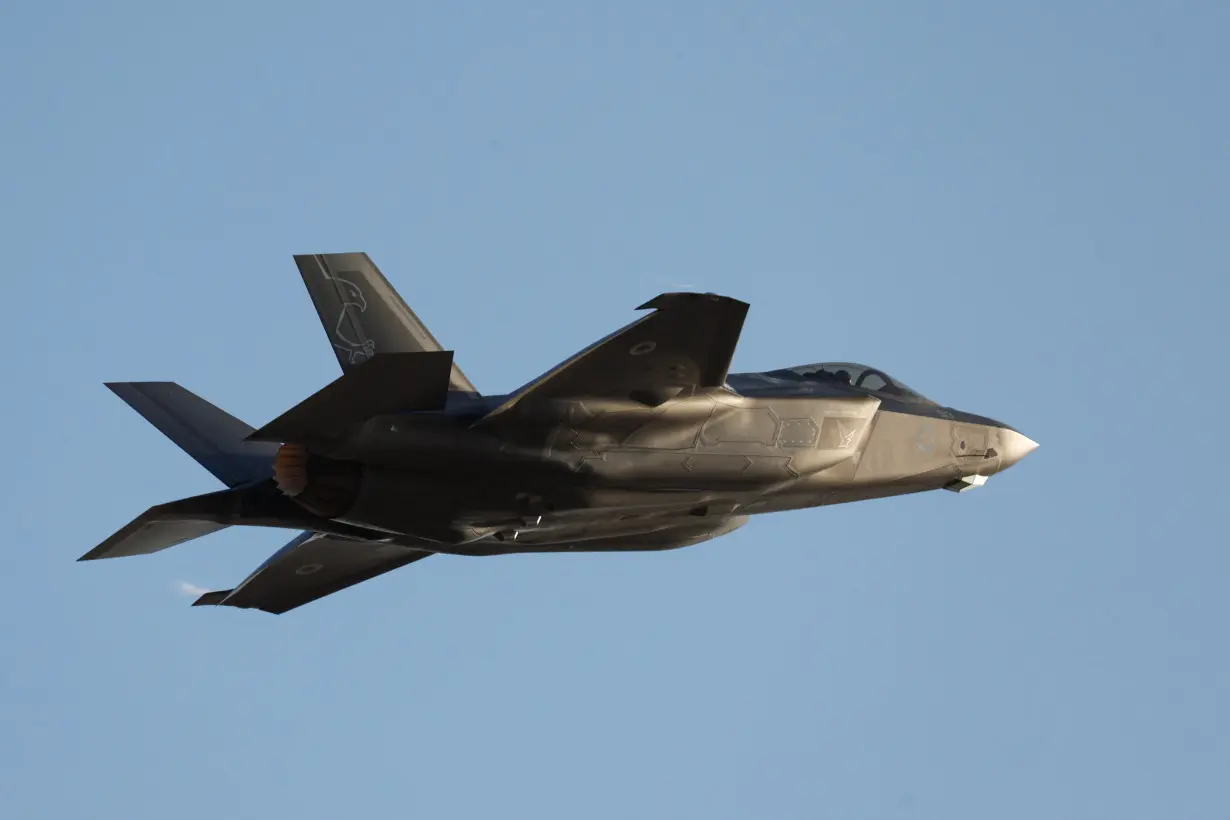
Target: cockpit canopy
x: 876, y: 382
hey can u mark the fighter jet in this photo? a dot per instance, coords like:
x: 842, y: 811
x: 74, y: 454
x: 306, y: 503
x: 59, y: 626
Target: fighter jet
x: 641, y: 441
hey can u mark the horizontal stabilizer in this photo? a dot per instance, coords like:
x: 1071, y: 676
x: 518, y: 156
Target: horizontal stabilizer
x: 156, y: 529
x: 387, y: 383
x: 310, y: 567
x: 213, y: 437
x: 173, y: 523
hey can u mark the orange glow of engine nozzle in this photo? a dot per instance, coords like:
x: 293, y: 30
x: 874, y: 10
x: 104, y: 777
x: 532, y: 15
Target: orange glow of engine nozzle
x: 290, y: 469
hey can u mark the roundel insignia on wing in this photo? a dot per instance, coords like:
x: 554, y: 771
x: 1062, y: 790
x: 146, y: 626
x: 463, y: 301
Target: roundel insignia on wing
x: 308, y: 569
x: 641, y: 348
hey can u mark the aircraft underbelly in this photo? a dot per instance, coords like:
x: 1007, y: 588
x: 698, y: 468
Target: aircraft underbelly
x: 667, y: 535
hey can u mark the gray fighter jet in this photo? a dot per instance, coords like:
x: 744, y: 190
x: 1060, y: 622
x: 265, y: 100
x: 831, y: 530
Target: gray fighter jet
x: 641, y: 441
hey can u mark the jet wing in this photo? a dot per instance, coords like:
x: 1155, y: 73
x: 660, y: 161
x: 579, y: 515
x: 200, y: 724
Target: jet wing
x: 311, y: 566
x: 686, y: 343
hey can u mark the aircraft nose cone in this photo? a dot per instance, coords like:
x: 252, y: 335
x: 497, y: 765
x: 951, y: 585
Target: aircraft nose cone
x: 1013, y: 447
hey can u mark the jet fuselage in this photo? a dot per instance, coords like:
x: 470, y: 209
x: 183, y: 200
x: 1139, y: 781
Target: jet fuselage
x: 602, y: 475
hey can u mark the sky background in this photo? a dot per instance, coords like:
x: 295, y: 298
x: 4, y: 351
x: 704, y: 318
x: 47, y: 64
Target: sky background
x: 1019, y: 209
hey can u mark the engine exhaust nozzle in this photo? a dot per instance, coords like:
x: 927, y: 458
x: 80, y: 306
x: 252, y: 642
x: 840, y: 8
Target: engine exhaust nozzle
x: 290, y: 469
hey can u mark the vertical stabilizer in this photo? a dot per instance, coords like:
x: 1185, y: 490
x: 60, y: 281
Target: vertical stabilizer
x: 363, y: 314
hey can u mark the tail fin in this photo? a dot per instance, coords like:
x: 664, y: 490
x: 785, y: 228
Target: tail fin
x: 363, y: 314
x: 215, y: 438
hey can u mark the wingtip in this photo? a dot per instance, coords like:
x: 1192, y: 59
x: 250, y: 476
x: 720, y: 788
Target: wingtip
x: 214, y: 598
x: 663, y: 300
x: 659, y: 301
x: 103, y: 550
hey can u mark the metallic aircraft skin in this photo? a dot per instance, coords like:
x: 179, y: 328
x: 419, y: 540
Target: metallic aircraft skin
x: 642, y: 441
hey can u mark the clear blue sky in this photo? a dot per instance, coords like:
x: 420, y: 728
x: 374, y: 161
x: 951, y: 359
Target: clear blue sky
x: 1019, y: 209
